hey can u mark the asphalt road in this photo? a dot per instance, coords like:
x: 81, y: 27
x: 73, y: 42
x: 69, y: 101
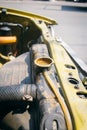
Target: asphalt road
x: 72, y: 21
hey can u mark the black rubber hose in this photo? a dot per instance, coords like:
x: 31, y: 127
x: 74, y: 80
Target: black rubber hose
x: 17, y: 92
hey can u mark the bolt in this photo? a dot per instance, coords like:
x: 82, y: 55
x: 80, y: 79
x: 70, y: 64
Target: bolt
x: 27, y: 98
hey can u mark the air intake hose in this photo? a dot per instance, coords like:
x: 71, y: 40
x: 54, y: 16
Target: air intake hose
x: 17, y: 92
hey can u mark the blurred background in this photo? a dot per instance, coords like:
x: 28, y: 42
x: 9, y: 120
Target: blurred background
x: 71, y: 16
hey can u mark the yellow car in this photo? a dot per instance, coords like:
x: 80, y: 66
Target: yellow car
x: 43, y: 85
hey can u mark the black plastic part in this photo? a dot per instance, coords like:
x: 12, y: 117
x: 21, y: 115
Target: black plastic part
x: 44, y: 111
x: 51, y: 115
